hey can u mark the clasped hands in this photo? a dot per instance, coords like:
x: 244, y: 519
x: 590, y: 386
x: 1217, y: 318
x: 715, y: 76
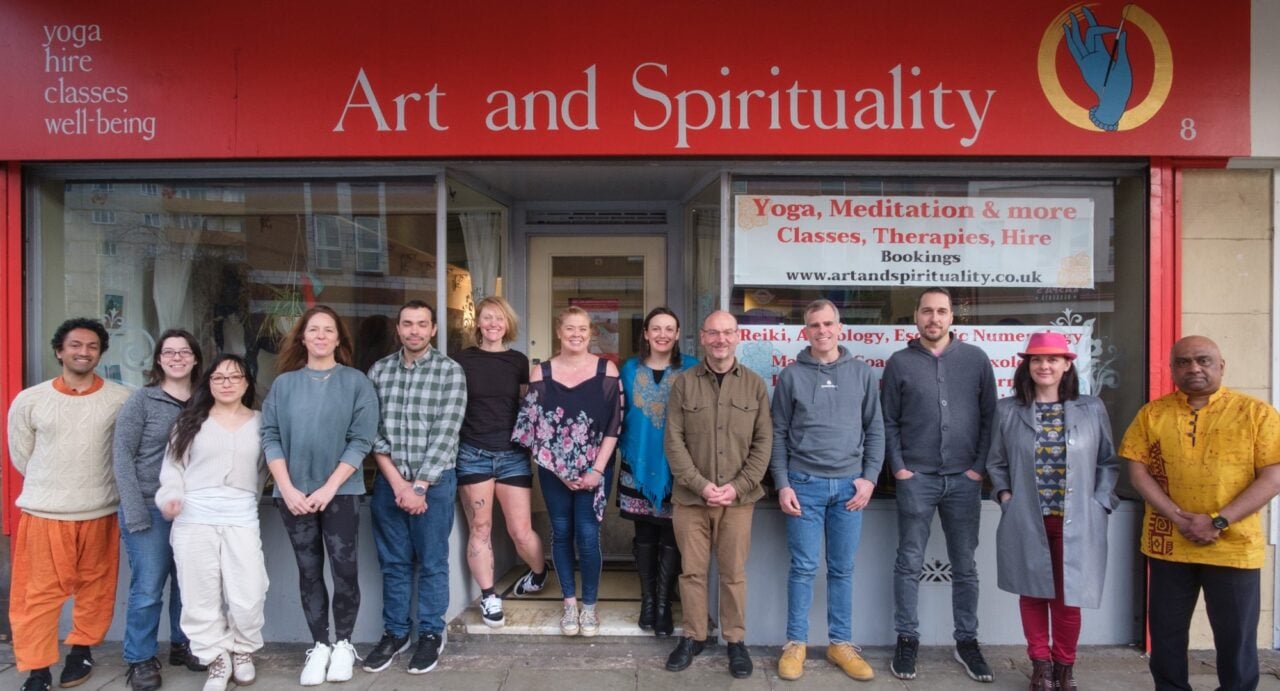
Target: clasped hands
x: 719, y: 495
x: 1195, y: 527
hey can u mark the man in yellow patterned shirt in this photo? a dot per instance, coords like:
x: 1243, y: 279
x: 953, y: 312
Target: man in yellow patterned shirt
x: 1205, y: 459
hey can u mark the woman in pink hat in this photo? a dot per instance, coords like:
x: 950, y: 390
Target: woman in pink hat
x: 1053, y: 471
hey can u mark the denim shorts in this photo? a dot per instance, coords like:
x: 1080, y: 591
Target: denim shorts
x: 481, y: 465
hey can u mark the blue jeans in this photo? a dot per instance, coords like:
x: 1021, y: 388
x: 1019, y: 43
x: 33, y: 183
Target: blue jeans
x: 151, y: 566
x: 403, y: 540
x: 822, y: 519
x: 573, y: 521
x: 958, y: 501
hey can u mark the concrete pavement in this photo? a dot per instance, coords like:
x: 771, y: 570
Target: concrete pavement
x: 481, y: 663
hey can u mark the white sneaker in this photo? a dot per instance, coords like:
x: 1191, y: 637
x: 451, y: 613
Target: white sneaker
x: 341, y: 661
x: 317, y: 663
x: 219, y: 672
x: 491, y: 611
x: 243, y: 671
x: 589, y: 621
x: 569, y: 621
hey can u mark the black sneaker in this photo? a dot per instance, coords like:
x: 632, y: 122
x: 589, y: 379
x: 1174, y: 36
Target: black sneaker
x: 527, y: 585
x: 77, y: 669
x: 970, y: 657
x: 427, y: 654
x: 144, y: 676
x: 491, y: 611
x: 180, y: 655
x: 40, y: 680
x: 385, y: 651
x: 903, y: 665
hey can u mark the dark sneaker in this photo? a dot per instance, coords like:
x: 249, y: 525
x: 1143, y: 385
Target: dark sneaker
x: 78, y: 668
x: 970, y: 657
x: 527, y: 585
x: 491, y: 611
x: 385, y: 651
x: 40, y: 680
x: 180, y: 655
x: 144, y: 676
x: 427, y: 653
x: 903, y: 665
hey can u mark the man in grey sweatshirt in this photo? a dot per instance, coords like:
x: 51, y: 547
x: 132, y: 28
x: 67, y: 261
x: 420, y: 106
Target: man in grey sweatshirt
x: 828, y: 447
x: 939, y: 399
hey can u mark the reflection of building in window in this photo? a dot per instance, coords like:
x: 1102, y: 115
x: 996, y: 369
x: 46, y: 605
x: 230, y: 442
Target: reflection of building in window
x: 327, y: 245
x: 371, y: 244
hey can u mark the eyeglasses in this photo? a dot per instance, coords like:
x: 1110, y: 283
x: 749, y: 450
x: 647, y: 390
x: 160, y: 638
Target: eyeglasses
x: 725, y: 333
x: 226, y: 378
x: 175, y: 354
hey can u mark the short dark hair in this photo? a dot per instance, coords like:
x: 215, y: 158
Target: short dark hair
x: 939, y: 290
x: 417, y: 305
x: 1024, y: 389
x: 60, y: 336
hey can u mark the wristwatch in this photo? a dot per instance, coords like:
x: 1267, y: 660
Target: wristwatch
x: 1219, y: 521
x: 420, y: 490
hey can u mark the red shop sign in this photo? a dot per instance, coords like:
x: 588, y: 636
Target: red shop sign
x: 249, y: 79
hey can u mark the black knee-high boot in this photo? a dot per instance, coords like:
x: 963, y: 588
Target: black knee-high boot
x: 668, y: 570
x: 646, y: 554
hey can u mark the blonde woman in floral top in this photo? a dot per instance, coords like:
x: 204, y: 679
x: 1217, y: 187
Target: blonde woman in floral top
x: 569, y: 422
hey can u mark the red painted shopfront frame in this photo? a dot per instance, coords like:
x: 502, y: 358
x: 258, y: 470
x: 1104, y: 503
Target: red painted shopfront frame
x: 1164, y: 294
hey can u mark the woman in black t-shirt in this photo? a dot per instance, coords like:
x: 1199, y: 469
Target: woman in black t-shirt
x: 490, y: 465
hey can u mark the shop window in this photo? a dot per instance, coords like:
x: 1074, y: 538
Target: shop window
x: 235, y: 262
x: 1096, y: 288
x: 476, y: 239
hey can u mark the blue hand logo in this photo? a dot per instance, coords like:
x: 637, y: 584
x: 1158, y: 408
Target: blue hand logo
x: 1108, y: 74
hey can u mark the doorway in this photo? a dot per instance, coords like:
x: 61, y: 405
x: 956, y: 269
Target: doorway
x: 617, y: 279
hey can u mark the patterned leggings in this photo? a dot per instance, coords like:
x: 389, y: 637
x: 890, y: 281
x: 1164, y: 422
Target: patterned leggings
x: 334, y: 529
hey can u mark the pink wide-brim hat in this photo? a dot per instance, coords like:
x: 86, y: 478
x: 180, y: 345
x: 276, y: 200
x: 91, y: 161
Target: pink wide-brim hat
x: 1048, y: 343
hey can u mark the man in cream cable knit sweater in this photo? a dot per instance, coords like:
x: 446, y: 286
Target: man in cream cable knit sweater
x: 68, y: 541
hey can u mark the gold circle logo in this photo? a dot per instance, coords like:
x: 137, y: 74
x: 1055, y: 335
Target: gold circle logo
x: 1078, y: 115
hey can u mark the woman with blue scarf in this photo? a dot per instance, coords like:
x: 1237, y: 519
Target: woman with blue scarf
x: 644, y: 488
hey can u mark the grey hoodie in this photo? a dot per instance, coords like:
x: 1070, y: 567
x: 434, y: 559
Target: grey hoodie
x: 142, y: 434
x: 826, y: 420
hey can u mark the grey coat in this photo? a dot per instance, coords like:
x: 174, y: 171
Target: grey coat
x: 1023, y: 565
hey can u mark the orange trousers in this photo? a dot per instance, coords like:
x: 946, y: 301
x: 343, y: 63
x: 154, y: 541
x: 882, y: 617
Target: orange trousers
x: 52, y: 561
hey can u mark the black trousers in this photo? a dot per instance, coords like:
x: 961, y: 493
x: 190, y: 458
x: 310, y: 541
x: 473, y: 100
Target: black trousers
x: 335, y: 529
x: 1232, y: 598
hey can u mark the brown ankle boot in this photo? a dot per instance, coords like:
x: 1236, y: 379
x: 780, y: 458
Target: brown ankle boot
x: 1063, y: 678
x: 1042, y: 675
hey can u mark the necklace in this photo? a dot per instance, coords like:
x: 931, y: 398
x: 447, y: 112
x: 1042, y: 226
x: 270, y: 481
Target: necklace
x: 324, y: 378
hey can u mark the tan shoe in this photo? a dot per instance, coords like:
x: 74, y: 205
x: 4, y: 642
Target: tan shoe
x: 846, y: 657
x: 791, y: 663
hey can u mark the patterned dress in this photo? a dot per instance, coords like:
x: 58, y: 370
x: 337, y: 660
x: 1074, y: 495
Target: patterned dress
x: 564, y: 426
x: 1051, y: 457
x: 644, y: 486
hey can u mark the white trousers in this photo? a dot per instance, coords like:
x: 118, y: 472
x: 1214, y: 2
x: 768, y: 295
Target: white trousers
x: 223, y: 579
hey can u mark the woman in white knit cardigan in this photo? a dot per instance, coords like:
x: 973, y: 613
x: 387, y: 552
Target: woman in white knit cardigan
x: 210, y: 484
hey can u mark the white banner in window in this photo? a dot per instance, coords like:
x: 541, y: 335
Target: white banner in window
x: 767, y: 349
x: 913, y: 241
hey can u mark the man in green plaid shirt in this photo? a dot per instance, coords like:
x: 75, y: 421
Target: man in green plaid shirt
x: 422, y: 396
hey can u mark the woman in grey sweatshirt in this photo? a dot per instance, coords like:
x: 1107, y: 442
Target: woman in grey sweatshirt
x: 141, y: 434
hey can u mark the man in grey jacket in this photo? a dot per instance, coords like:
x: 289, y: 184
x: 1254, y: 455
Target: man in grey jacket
x: 939, y: 400
x: 828, y: 447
